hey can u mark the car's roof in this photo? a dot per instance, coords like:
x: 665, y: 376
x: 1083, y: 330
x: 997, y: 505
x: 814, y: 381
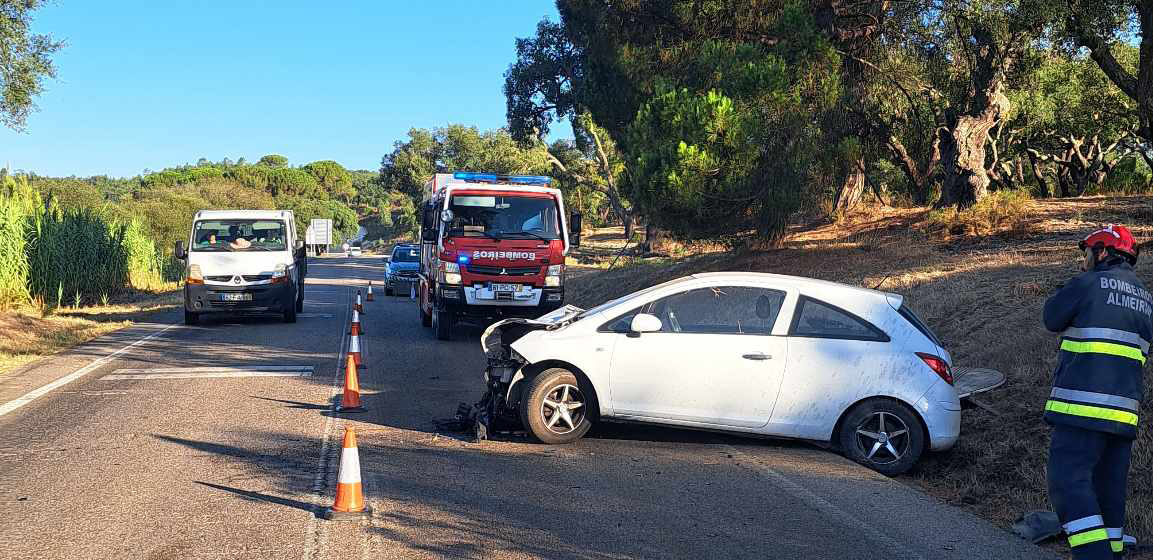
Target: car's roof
x: 243, y: 214
x: 798, y: 282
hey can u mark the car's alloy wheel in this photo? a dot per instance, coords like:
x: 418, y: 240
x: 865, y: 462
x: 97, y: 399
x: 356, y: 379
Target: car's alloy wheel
x: 884, y: 435
x: 882, y: 438
x: 563, y: 409
x: 553, y: 407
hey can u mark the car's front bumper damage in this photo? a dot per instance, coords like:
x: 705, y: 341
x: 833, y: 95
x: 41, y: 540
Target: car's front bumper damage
x: 496, y: 411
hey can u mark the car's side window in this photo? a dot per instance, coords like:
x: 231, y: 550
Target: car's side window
x: 622, y: 324
x: 720, y: 310
x: 817, y: 319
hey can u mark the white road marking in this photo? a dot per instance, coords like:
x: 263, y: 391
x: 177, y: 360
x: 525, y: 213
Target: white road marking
x: 210, y: 372
x: 315, y: 315
x: 316, y: 531
x: 896, y: 549
x: 33, y: 395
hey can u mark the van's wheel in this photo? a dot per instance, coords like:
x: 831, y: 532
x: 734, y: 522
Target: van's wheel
x: 884, y: 435
x: 191, y: 317
x: 553, y: 408
x: 442, y: 322
x: 290, y: 313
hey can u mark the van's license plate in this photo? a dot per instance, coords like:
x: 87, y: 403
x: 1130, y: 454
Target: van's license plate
x: 505, y: 287
x: 240, y: 296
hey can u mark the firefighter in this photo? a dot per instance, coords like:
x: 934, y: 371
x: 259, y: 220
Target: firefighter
x: 1103, y: 316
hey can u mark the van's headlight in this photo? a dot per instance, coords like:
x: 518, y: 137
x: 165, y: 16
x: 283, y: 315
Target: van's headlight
x: 279, y: 274
x: 194, y: 274
x: 555, y: 276
x: 451, y: 273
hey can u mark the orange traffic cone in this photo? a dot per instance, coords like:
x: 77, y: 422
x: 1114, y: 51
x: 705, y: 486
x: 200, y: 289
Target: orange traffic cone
x: 369, y: 296
x: 355, y: 329
x: 354, y: 350
x: 358, y: 305
x: 350, y: 401
x: 349, y: 504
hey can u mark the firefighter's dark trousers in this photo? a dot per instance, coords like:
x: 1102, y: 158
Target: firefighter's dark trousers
x: 1087, y: 482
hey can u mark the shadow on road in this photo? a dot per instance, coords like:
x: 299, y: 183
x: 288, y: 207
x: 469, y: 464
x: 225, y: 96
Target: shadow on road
x: 257, y: 496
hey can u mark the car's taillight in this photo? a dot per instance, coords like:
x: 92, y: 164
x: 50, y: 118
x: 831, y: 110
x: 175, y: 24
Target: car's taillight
x: 937, y: 365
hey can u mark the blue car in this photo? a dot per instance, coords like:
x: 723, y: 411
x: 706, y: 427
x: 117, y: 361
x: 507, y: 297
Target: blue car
x: 402, y: 269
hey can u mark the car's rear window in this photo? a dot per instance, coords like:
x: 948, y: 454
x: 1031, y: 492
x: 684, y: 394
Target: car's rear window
x: 920, y: 325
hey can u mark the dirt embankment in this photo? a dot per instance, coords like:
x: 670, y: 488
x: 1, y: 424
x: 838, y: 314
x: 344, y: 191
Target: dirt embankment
x: 982, y: 295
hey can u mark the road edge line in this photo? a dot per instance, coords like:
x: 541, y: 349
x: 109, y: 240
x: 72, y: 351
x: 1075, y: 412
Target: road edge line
x: 824, y: 506
x: 34, y: 394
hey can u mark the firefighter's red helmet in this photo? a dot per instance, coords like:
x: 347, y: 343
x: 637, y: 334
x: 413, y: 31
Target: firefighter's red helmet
x: 1114, y: 238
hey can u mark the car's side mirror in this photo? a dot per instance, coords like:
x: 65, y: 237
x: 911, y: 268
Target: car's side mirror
x: 643, y: 323
x: 299, y: 245
x: 179, y: 252
x: 576, y: 225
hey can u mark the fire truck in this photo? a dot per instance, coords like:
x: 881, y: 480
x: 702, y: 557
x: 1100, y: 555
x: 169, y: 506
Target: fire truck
x: 491, y: 246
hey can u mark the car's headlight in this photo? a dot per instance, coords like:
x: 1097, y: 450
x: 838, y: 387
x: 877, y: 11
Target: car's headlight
x: 555, y: 276
x: 279, y: 274
x: 194, y: 274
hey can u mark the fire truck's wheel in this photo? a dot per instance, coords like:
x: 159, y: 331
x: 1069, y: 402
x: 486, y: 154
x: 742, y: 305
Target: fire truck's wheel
x: 442, y: 323
x: 425, y: 318
x: 553, y: 409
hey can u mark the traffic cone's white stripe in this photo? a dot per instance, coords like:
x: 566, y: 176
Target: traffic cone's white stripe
x: 349, y: 466
x: 355, y: 316
x: 354, y: 345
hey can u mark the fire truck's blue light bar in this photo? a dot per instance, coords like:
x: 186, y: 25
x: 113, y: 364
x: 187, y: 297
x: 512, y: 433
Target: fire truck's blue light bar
x: 494, y: 178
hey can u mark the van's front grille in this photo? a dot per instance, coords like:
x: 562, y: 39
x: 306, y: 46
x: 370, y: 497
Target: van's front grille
x: 256, y: 277
x: 227, y: 278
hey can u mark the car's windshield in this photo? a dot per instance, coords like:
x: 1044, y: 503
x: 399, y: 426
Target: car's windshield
x: 516, y: 217
x: 239, y: 235
x: 405, y: 254
x: 627, y: 298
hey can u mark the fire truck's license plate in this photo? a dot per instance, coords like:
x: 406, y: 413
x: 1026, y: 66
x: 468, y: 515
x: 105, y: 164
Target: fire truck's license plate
x: 504, y: 287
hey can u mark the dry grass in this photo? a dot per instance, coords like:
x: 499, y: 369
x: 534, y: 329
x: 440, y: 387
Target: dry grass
x: 983, y: 296
x: 27, y: 334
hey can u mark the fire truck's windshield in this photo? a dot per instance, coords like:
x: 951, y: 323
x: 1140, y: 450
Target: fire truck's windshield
x: 513, y: 217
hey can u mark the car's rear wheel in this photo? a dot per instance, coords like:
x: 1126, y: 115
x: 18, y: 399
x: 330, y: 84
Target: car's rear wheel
x: 191, y: 317
x: 554, y: 409
x: 884, y: 435
x: 388, y: 290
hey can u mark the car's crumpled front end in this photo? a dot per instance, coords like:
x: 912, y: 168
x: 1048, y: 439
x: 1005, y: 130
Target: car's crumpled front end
x: 496, y: 410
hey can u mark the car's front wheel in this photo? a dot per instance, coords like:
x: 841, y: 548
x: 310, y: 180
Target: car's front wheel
x: 883, y: 435
x: 554, y: 409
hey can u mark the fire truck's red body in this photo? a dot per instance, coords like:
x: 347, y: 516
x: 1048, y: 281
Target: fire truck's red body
x: 491, y: 246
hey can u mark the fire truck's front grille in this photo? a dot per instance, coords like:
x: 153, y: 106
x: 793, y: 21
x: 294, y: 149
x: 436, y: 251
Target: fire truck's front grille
x: 504, y: 271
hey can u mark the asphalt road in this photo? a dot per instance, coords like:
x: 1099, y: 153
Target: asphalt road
x: 236, y: 467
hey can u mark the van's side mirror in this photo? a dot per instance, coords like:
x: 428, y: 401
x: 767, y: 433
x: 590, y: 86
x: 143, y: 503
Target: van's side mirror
x: 575, y: 227
x: 643, y: 323
x: 179, y: 252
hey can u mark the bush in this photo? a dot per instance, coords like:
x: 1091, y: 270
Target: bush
x: 1005, y: 211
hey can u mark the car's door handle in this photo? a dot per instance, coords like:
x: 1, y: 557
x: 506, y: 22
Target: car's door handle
x: 757, y: 356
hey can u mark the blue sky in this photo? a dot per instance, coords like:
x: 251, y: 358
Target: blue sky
x: 147, y: 84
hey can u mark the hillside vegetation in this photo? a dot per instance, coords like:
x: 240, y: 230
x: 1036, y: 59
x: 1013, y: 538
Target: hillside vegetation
x: 982, y: 295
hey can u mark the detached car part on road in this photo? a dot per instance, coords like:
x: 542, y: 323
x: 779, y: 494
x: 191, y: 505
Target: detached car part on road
x: 758, y: 354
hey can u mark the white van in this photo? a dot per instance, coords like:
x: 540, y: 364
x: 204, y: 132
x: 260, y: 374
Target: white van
x: 240, y: 261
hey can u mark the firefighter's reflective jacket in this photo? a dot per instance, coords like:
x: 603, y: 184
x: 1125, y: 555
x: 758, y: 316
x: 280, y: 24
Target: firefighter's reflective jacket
x: 1104, y: 317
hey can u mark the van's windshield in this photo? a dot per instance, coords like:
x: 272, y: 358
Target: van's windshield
x: 239, y: 235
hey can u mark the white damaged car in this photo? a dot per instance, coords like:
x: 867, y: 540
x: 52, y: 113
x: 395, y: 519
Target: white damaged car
x: 758, y: 354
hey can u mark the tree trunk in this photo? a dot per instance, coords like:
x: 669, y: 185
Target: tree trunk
x: 1038, y: 173
x: 966, y: 180
x: 851, y: 190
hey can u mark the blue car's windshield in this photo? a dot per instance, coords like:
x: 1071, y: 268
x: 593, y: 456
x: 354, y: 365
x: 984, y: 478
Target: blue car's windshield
x: 406, y: 254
